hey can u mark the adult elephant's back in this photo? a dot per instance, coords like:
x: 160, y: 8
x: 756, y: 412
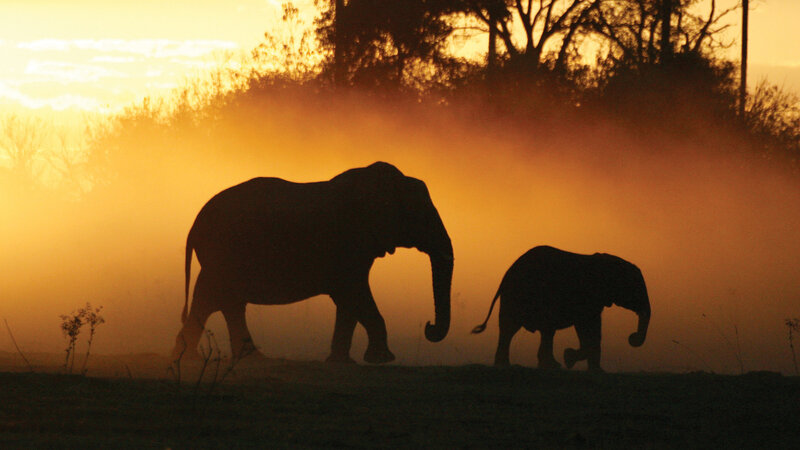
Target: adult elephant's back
x: 272, y: 232
x: 257, y: 216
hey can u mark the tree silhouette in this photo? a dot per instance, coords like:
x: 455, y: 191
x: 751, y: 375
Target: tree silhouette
x: 387, y: 43
x: 545, y: 24
x: 22, y: 145
x: 639, y: 33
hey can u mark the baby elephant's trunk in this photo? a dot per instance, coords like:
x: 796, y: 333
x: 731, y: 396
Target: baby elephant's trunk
x: 637, y: 339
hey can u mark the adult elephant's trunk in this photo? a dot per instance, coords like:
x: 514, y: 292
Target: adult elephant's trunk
x: 637, y: 339
x: 441, y: 256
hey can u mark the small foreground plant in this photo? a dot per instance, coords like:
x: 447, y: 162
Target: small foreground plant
x: 794, y: 327
x: 71, y: 327
x: 14, y: 341
x: 736, y: 350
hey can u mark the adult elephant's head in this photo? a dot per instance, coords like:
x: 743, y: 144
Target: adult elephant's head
x: 395, y: 210
x: 627, y: 289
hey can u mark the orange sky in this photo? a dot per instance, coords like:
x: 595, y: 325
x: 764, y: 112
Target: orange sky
x: 92, y: 54
x: 717, y: 240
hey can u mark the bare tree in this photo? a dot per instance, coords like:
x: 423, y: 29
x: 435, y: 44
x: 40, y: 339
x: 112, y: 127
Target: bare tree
x: 67, y: 159
x: 338, y: 42
x: 387, y: 42
x: 638, y: 33
x: 22, y: 146
x: 546, y: 25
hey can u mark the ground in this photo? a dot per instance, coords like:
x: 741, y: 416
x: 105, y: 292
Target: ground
x: 134, y: 401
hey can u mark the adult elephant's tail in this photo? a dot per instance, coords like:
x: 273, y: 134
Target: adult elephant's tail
x: 482, y: 326
x: 188, y: 271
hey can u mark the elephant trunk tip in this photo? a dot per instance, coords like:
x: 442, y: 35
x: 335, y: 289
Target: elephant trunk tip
x: 435, y: 332
x: 636, y: 339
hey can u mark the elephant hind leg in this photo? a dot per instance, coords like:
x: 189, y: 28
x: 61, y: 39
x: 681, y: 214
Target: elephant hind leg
x: 188, y: 338
x: 509, y: 325
x: 241, y: 342
x: 342, y: 336
x: 202, y: 307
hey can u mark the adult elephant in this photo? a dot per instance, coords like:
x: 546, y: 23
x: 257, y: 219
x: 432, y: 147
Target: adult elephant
x: 270, y: 241
x: 548, y: 289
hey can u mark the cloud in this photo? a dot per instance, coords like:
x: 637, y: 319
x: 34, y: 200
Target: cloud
x: 150, y: 48
x: 114, y: 59
x: 90, y: 73
x: 198, y: 64
x: 40, y: 45
x: 59, y: 103
x: 69, y: 72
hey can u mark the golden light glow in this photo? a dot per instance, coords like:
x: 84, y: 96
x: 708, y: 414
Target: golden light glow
x: 716, y: 240
x: 94, y: 55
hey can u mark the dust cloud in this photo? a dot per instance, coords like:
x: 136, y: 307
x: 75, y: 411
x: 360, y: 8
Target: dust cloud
x: 715, y: 232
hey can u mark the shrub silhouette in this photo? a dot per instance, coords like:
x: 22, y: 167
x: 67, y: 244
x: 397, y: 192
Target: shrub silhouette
x: 794, y: 327
x: 71, y: 327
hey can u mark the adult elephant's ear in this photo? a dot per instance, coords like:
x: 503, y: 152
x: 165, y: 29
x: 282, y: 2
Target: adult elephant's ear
x: 607, y: 274
x: 380, y: 209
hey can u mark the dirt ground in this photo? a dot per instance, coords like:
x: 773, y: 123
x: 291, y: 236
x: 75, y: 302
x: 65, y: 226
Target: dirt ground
x: 136, y: 401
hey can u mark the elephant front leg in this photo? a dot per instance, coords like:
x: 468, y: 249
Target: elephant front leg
x: 342, y: 336
x: 359, y: 301
x: 589, y: 333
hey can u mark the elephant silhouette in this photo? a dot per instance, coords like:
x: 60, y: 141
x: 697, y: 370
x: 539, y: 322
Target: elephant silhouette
x: 270, y: 241
x: 548, y: 289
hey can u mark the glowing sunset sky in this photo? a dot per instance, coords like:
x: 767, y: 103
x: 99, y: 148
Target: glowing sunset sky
x: 92, y: 54
x: 88, y: 54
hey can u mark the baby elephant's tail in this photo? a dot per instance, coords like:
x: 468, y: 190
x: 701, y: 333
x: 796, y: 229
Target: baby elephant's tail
x: 481, y: 327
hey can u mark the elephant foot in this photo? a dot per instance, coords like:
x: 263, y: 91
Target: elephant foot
x: 570, y: 357
x: 502, y: 362
x: 595, y: 369
x: 339, y: 359
x: 549, y: 364
x: 381, y: 356
x: 249, y: 351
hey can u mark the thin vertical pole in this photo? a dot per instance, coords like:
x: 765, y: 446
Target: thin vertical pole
x: 743, y: 77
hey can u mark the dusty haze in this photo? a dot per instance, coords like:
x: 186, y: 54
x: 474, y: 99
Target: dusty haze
x: 716, y: 234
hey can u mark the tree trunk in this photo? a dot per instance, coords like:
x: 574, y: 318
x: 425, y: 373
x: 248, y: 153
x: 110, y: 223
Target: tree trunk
x: 666, y: 19
x: 338, y: 44
x: 491, y: 56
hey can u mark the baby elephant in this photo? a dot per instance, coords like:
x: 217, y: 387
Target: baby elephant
x: 548, y: 289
